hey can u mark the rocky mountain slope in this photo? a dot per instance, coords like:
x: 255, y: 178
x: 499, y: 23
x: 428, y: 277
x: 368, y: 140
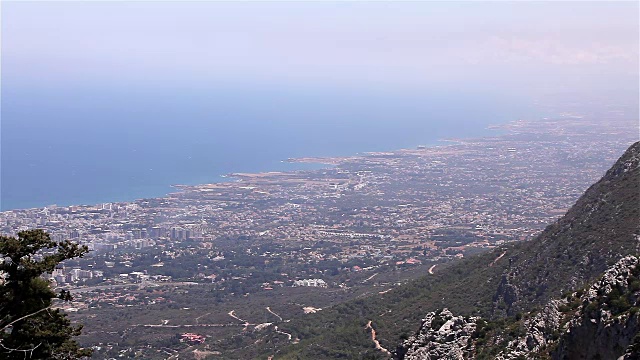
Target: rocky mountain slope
x: 600, y: 322
x: 442, y: 336
x: 606, y: 324
x: 601, y: 227
x: 519, y: 296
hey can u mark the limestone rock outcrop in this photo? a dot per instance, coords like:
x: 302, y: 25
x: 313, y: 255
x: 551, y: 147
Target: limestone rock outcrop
x: 442, y: 335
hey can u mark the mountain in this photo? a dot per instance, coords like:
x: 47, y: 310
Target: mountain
x: 502, y: 290
x: 599, y: 322
x: 596, y: 232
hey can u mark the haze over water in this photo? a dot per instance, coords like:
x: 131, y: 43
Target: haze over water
x: 116, y: 145
x: 113, y: 101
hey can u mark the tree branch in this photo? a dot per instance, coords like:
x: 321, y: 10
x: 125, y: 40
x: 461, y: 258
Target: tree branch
x: 25, y: 351
x: 23, y: 317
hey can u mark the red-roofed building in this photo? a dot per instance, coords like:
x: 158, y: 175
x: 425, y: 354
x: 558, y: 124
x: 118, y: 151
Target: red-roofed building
x: 192, y: 338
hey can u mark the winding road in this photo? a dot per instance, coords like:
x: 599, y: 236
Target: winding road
x: 233, y: 315
x: 375, y: 341
x: 278, y: 316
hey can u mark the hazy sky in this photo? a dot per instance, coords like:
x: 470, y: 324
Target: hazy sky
x: 532, y: 47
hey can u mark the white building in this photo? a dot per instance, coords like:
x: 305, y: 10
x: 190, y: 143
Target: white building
x: 310, y: 282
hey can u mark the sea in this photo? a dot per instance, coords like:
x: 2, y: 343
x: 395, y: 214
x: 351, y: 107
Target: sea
x: 72, y: 146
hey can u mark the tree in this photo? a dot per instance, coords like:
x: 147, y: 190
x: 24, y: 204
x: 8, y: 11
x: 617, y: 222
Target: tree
x: 29, y: 327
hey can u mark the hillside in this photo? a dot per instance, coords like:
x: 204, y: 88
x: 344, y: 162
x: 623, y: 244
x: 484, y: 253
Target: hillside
x: 601, y: 321
x: 597, y: 231
x: 600, y: 229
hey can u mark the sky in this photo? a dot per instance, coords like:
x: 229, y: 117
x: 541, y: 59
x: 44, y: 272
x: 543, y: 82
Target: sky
x: 531, y: 48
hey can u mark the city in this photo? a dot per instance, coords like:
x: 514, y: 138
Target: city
x: 356, y: 226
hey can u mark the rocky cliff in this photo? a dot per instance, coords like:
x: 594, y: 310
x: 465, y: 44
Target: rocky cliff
x: 606, y: 325
x: 600, y: 322
x: 442, y: 336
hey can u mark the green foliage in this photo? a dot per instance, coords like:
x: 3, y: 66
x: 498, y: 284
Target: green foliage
x: 592, y: 308
x: 30, y: 327
x: 437, y: 322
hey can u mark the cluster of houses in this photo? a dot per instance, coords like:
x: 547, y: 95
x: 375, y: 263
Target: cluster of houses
x: 310, y: 282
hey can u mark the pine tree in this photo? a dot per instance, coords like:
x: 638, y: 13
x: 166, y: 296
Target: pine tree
x: 29, y: 327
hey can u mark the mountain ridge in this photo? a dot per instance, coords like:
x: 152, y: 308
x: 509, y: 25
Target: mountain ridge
x: 605, y: 217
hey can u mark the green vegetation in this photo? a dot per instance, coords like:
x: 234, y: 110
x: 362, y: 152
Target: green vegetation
x: 30, y: 326
x: 398, y: 312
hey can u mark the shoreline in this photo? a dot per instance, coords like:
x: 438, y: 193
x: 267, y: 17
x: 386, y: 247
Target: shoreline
x: 332, y: 161
x: 325, y: 162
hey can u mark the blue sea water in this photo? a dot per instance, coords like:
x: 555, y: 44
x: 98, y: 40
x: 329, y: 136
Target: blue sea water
x: 85, y: 146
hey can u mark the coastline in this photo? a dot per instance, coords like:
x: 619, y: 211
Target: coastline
x: 326, y: 162
x: 303, y: 165
x: 332, y: 161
